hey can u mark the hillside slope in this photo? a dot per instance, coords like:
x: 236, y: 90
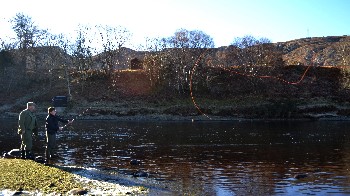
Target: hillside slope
x: 319, y: 63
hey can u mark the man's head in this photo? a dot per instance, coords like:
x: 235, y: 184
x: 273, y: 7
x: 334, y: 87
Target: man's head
x: 51, y: 110
x: 31, y: 106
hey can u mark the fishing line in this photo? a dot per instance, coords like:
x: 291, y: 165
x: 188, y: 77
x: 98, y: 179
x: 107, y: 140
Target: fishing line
x: 80, y: 114
x: 191, y: 84
x: 271, y: 77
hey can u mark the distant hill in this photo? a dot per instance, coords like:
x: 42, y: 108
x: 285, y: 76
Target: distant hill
x: 321, y: 51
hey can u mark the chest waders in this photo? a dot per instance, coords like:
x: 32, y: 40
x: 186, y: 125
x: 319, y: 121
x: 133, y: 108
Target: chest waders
x: 27, y: 139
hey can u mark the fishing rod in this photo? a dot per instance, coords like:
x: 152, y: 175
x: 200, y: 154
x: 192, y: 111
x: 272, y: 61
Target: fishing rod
x: 68, y: 124
x: 79, y: 115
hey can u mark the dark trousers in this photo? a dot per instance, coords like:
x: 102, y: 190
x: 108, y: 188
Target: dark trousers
x: 50, y: 145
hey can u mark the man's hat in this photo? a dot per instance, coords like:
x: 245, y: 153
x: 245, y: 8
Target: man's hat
x: 30, y: 104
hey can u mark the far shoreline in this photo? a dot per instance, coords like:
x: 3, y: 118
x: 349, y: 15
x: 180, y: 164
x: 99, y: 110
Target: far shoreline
x: 175, y: 118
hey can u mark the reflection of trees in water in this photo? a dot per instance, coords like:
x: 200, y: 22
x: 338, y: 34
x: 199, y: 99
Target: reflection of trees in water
x: 345, y: 164
x: 242, y: 158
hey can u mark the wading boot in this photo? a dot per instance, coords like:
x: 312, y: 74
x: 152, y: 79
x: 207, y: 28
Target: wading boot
x: 47, y: 162
x: 29, y: 155
x: 23, y: 154
x: 47, y: 154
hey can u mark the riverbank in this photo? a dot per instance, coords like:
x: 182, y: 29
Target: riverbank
x: 235, y: 109
x: 32, y: 178
x: 199, y: 118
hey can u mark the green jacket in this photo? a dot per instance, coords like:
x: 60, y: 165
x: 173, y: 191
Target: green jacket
x: 27, y: 122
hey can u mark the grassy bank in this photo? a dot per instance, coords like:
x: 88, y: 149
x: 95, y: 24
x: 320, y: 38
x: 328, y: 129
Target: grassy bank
x: 29, y: 176
x: 18, y: 174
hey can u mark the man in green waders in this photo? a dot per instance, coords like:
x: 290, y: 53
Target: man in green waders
x: 27, y: 127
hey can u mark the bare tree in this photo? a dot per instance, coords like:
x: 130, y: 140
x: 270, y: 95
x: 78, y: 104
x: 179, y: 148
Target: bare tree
x: 153, y: 62
x: 56, y: 59
x: 189, y: 39
x: 112, y: 41
x: 6, y: 45
x: 28, y: 34
x: 250, y: 52
x: 64, y: 43
x: 248, y: 41
x: 183, y: 54
x: 82, y: 53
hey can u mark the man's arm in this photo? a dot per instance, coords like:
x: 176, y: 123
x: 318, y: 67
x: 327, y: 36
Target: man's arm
x: 61, y: 119
x: 21, y: 122
x: 36, y: 128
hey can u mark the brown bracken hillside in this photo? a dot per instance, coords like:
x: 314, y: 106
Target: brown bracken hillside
x: 304, y: 78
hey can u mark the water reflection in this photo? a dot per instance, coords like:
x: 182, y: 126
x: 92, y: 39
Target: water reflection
x: 216, y: 158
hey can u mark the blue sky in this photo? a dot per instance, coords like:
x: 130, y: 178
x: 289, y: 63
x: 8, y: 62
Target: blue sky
x: 223, y: 20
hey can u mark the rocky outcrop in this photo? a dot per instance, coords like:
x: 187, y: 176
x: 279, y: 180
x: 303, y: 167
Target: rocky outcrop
x: 317, y: 51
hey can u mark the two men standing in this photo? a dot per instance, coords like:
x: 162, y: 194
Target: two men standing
x: 28, y: 126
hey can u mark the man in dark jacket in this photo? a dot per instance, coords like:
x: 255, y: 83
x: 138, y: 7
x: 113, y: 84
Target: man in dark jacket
x: 52, y: 127
x: 27, y: 126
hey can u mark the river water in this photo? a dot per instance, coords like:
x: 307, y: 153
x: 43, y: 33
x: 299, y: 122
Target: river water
x: 211, y: 158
